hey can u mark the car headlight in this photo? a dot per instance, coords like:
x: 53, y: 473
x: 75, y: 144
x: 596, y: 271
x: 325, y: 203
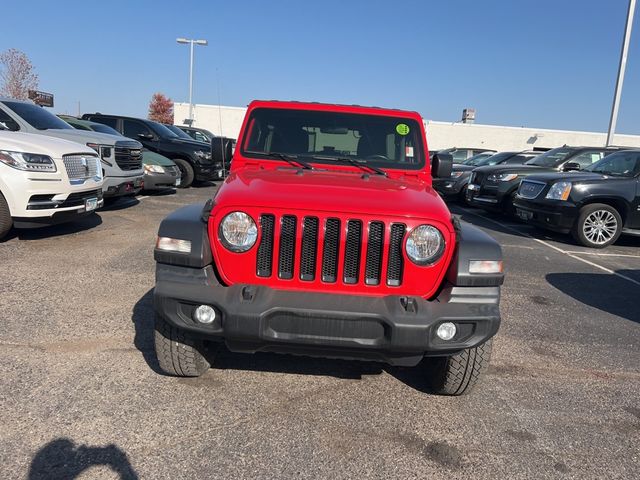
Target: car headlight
x: 31, y: 162
x: 456, y: 174
x: 205, y: 155
x: 502, y: 177
x: 153, y: 169
x: 425, y: 245
x: 559, y: 191
x: 238, y: 232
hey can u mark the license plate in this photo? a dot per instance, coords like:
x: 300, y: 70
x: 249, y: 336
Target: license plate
x: 220, y: 173
x: 473, y: 188
x: 178, y: 181
x: 90, y: 204
x: 524, y: 215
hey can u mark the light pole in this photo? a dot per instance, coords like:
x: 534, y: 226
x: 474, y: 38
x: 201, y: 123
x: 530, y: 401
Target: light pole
x: 191, y: 42
x: 621, y: 69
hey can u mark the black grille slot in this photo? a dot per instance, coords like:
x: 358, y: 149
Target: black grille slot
x: 396, y: 261
x: 352, y: 251
x: 373, y: 264
x: 309, y: 248
x: 287, y: 247
x: 128, y: 158
x: 264, y: 264
x: 330, y: 250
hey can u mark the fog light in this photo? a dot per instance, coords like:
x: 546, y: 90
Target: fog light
x: 446, y: 331
x: 205, y: 314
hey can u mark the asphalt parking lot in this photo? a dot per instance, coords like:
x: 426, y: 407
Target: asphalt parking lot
x: 82, y: 397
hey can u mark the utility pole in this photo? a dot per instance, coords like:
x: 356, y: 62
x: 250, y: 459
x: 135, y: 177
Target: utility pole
x: 191, y: 42
x: 621, y: 69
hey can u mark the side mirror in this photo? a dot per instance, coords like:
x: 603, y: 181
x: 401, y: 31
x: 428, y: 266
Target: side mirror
x: 441, y: 165
x: 571, y: 167
x: 145, y: 136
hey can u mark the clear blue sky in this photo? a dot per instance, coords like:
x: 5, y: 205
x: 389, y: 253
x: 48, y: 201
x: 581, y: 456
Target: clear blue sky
x: 545, y: 63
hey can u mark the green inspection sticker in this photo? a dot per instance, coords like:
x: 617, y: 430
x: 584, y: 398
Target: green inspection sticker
x: 402, y: 129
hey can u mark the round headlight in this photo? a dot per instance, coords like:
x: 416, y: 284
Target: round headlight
x: 425, y: 245
x: 238, y: 232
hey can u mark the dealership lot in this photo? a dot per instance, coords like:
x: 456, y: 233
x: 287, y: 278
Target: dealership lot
x: 81, y: 389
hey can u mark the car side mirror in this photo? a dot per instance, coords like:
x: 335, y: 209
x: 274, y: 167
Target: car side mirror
x: 571, y: 167
x: 145, y: 136
x: 441, y: 165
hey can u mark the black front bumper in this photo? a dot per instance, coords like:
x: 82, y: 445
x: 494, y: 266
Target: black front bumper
x: 208, y: 172
x: 393, y: 329
x: 555, y: 215
x: 450, y: 187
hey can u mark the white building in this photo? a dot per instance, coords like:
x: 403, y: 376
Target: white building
x: 226, y: 121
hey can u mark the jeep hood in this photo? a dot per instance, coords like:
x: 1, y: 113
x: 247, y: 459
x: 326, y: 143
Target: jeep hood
x: 332, y: 191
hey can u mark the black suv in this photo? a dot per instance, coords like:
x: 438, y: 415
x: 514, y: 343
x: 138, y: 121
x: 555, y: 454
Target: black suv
x: 193, y: 158
x: 455, y: 186
x: 494, y: 188
x: 595, y: 205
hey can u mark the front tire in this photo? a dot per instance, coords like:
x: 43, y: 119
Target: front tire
x: 186, y: 172
x: 456, y: 375
x: 177, y: 352
x: 598, y: 226
x: 5, y: 217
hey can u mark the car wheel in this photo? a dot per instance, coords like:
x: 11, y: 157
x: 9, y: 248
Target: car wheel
x: 462, y: 198
x: 598, y: 226
x: 457, y: 374
x: 508, y: 206
x: 177, y: 352
x: 5, y: 217
x: 186, y: 172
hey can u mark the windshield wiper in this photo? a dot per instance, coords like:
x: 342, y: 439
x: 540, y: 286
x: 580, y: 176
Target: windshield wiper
x: 290, y: 159
x: 352, y: 161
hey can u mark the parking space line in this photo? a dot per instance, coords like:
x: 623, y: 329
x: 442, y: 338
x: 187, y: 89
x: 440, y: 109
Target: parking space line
x: 553, y: 247
x: 598, y: 254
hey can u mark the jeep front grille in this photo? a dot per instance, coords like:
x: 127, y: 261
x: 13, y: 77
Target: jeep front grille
x: 320, y: 254
x: 80, y: 167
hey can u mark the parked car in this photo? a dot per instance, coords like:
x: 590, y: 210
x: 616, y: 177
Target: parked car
x: 180, y: 133
x: 46, y: 180
x: 121, y: 157
x: 494, y: 188
x: 328, y: 240
x: 199, y: 134
x: 596, y: 205
x: 192, y: 158
x: 461, y: 154
x: 160, y: 173
x: 455, y: 187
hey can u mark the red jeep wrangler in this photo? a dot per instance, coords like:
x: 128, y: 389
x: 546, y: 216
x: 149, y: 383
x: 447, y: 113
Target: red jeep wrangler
x: 327, y: 240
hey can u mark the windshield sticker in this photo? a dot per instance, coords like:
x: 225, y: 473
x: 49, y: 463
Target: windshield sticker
x: 402, y: 129
x: 408, y: 152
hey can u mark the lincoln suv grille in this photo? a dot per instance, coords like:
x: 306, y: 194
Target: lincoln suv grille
x: 80, y: 166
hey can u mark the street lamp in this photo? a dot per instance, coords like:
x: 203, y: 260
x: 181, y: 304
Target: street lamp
x: 191, y: 42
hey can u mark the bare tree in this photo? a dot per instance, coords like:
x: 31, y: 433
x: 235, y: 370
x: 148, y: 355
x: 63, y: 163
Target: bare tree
x: 161, y: 108
x: 17, y: 74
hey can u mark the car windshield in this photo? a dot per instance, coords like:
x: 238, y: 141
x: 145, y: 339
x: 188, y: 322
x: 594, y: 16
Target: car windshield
x: 161, y: 130
x: 100, y: 128
x: 477, y: 159
x: 38, y: 117
x: 551, y: 158
x: 335, y: 137
x: 495, y: 159
x: 619, y: 164
x: 178, y: 132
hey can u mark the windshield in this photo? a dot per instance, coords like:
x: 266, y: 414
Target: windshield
x: 178, y: 132
x: 619, y: 164
x: 100, y: 128
x: 38, y: 117
x: 161, y: 130
x: 492, y: 159
x: 480, y: 159
x: 552, y: 158
x: 328, y: 137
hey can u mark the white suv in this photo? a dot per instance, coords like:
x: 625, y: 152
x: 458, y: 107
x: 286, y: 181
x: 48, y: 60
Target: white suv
x: 46, y: 180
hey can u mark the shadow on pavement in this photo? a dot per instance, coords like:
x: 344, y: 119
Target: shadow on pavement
x: 143, y: 318
x: 62, y: 459
x: 80, y: 225
x: 605, y: 292
x: 119, y: 203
